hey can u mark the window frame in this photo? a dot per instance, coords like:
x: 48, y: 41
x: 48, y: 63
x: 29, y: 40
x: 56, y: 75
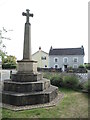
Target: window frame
x: 57, y: 59
x: 74, y: 59
x: 43, y: 58
x: 57, y: 66
x: 75, y: 65
x: 64, y: 59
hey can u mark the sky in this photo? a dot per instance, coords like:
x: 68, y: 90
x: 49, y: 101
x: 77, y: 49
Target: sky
x: 56, y: 23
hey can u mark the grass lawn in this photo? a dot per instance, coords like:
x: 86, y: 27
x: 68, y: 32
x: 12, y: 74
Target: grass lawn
x: 73, y: 105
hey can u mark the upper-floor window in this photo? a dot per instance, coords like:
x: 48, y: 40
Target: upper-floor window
x: 43, y: 58
x: 56, y: 59
x: 65, y: 59
x: 75, y: 59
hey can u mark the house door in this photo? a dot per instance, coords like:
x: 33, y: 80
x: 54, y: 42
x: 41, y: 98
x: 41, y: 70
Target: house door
x: 65, y: 67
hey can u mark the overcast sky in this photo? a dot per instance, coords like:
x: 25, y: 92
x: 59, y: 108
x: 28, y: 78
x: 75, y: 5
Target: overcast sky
x: 56, y: 23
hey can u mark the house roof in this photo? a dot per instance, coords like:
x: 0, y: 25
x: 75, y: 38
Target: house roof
x: 40, y: 51
x: 67, y: 51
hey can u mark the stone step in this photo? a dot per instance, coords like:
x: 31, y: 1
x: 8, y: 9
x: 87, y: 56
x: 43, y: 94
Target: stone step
x: 26, y: 86
x: 26, y: 77
x: 32, y: 98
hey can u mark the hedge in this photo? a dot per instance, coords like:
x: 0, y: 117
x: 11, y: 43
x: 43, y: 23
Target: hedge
x: 8, y: 66
x: 57, y: 81
x: 67, y: 81
x: 71, y: 81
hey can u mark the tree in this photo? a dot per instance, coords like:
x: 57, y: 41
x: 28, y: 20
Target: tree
x: 9, y: 62
x: 2, y: 46
x: 9, y: 59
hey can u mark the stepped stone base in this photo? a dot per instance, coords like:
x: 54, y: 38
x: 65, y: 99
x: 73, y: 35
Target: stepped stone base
x: 53, y: 103
x: 26, y: 86
x: 31, y: 98
x: 26, y: 77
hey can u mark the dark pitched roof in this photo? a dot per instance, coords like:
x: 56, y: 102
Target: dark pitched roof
x: 67, y: 51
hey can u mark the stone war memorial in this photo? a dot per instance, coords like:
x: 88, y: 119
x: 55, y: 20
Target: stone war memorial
x: 27, y: 87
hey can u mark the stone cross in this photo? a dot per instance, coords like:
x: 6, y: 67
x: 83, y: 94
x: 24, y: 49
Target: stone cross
x: 27, y: 37
x: 27, y: 15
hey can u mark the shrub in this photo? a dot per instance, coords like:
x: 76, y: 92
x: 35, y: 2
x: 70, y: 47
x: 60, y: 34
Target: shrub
x: 87, y: 66
x: 71, y: 71
x: 8, y: 66
x: 13, y: 66
x: 86, y: 85
x: 70, y: 81
x: 80, y: 86
x: 57, y: 81
x: 81, y: 66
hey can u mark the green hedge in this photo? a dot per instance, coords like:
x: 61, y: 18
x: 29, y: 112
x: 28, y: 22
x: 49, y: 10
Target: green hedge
x: 57, y: 81
x: 71, y: 81
x: 86, y: 85
x: 67, y: 81
x: 87, y: 66
x: 81, y: 66
x: 8, y: 66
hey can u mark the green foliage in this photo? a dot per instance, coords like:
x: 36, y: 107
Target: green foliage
x: 49, y: 75
x: 9, y: 62
x: 87, y: 65
x: 2, y: 46
x: 2, y: 54
x: 70, y: 67
x: 8, y: 66
x: 81, y: 66
x: 57, y: 81
x: 66, y: 80
x: 74, y: 105
x: 10, y: 59
x: 70, y: 81
x: 70, y: 71
x: 86, y: 85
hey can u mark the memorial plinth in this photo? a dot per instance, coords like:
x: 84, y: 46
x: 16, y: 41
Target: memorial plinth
x: 27, y: 86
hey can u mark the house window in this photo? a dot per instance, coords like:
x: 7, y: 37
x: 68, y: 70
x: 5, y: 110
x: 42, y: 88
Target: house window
x: 43, y: 58
x: 55, y: 59
x: 45, y: 66
x: 56, y: 66
x: 75, y: 66
x: 75, y: 59
x: 65, y: 59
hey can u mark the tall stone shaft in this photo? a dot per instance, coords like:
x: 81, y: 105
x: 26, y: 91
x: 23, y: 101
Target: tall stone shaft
x: 27, y: 42
x: 27, y: 37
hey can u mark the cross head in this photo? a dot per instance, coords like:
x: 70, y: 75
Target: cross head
x: 27, y: 14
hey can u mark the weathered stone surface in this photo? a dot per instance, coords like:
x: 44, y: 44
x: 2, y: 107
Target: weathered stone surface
x: 26, y: 77
x: 27, y: 42
x: 25, y: 66
x: 27, y: 36
x: 21, y: 99
x: 53, y: 103
x: 26, y: 86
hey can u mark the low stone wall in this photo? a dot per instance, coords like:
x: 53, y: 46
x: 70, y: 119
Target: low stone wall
x: 76, y: 70
x: 49, y: 70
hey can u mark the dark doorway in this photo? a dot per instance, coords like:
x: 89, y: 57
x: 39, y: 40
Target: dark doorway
x: 65, y: 67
